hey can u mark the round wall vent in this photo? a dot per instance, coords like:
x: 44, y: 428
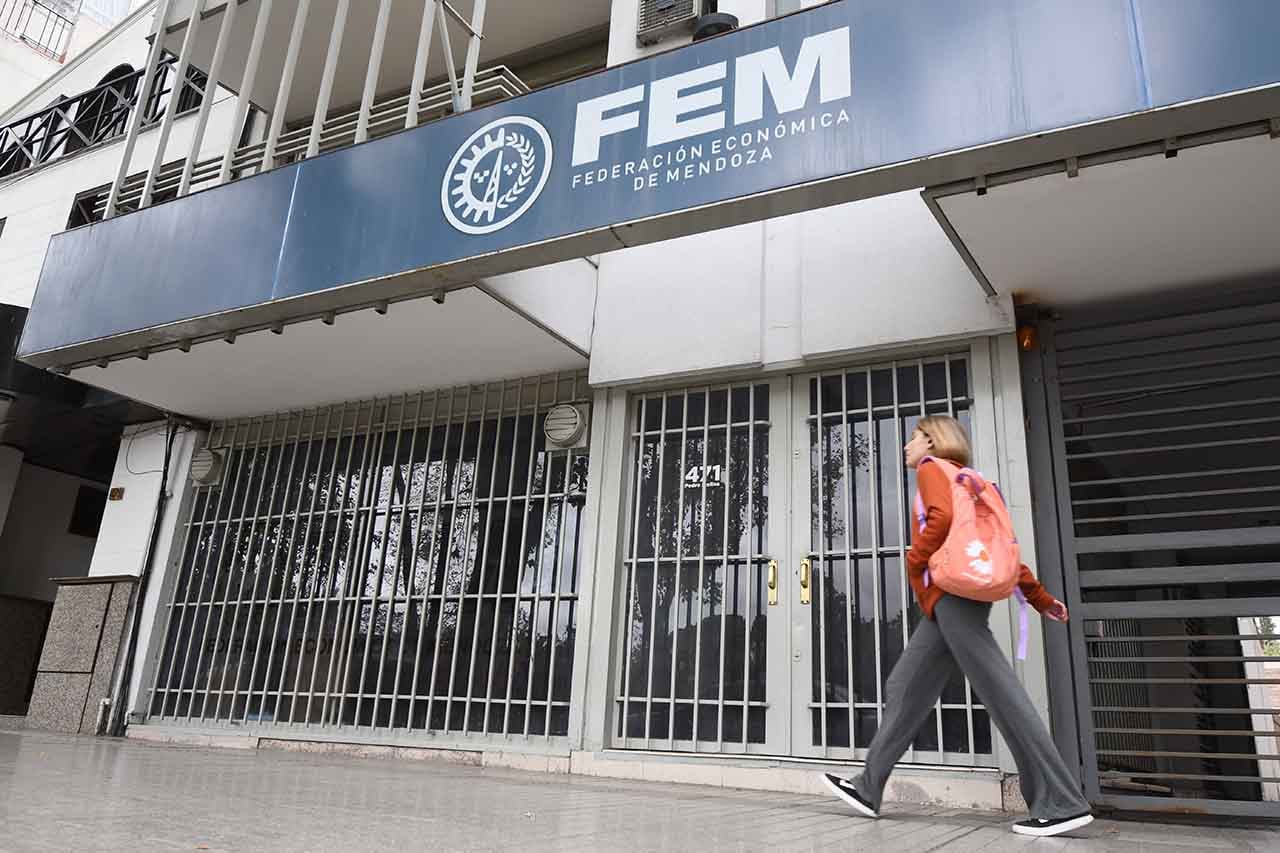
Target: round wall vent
x: 565, y: 426
x: 206, y: 467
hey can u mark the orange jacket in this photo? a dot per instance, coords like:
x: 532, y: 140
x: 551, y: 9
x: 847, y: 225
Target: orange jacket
x: 935, y: 494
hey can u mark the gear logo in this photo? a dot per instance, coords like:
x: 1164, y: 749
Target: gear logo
x: 496, y: 175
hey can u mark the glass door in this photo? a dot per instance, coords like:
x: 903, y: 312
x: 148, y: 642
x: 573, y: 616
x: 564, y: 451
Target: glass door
x: 851, y: 510
x: 702, y: 651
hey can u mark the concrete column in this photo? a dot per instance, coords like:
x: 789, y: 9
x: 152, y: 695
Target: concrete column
x: 92, y: 616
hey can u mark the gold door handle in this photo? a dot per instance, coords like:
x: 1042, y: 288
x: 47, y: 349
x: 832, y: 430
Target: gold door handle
x: 773, y: 582
x: 804, y: 581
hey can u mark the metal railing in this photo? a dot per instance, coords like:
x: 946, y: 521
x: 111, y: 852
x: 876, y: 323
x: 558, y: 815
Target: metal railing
x: 337, y: 131
x: 38, y: 26
x: 90, y: 118
x: 281, y: 145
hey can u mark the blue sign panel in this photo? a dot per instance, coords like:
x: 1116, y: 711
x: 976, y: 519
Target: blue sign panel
x: 843, y: 88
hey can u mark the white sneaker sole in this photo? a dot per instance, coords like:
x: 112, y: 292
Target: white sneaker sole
x: 1056, y: 829
x: 850, y: 801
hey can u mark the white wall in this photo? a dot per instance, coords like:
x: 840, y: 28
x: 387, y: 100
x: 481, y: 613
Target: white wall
x: 852, y: 279
x: 35, y: 545
x: 127, y: 523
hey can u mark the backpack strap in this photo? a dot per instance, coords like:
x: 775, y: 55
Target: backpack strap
x: 1023, y: 628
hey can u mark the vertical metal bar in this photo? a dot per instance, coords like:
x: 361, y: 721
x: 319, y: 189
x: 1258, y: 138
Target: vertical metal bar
x: 702, y: 562
x: 547, y: 470
x: 456, y: 503
x: 824, y: 526
x: 657, y: 566
x: 877, y: 564
x: 447, y: 43
x: 245, y: 99
x: 400, y: 545
x: 502, y: 557
x: 968, y: 689
x: 726, y: 479
x: 140, y: 107
x: 899, y: 495
x: 210, y: 90
x: 249, y: 514
x: 435, y: 530
x: 524, y: 533
x: 483, y: 556
x: 749, y: 567
x: 635, y: 572
x: 382, y: 569
x: 204, y: 706
x: 208, y: 554
x: 473, y: 53
x: 430, y: 10
x: 558, y: 554
x: 675, y: 629
x: 371, y: 74
x: 412, y: 542
x: 352, y: 594
x: 447, y: 537
x: 435, y: 520
x: 326, y: 80
x: 359, y: 568
x: 923, y: 412
x: 189, y: 570
x: 175, y: 95
x: 328, y: 576
x: 270, y: 566
x: 850, y: 528
x: 288, y: 569
x: 466, y: 562
x: 286, y: 84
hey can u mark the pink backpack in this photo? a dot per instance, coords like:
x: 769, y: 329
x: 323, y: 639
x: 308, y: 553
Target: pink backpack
x: 980, y: 558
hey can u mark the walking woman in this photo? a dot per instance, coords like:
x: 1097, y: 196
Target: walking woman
x: 955, y: 636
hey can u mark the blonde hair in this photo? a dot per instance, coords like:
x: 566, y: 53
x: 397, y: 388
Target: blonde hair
x: 947, y: 438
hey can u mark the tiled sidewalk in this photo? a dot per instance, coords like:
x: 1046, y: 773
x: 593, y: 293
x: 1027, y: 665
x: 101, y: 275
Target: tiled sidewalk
x: 65, y: 793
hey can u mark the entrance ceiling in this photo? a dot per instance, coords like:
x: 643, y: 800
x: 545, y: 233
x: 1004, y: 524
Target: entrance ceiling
x: 417, y: 344
x: 1125, y: 228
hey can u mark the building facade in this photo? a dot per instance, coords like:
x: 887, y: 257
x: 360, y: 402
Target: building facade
x: 534, y: 385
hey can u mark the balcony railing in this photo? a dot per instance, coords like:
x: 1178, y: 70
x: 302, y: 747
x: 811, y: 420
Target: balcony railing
x: 338, y: 131
x: 37, y: 25
x: 90, y: 118
x: 281, y: 143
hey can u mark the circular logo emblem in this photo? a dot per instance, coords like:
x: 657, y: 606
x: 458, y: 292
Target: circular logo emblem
x: 496, y: 175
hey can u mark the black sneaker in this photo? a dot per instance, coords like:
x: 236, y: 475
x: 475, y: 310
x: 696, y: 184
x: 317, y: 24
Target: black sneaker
x: 1045, y: 828
x: 844, y: 789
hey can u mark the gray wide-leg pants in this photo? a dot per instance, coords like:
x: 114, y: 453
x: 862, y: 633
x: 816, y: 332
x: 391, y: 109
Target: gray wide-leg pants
x: 958, y: 637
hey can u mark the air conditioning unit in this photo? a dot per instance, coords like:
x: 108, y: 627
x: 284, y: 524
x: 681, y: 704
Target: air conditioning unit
x: 661, y: 18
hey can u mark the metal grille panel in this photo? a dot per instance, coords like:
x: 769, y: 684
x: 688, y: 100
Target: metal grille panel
x: 1167, y: 430
x: 409, y: 563
x: 692, y: 669
x: 860, y: 515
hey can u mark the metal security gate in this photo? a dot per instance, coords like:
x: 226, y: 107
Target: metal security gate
x: 763, y: 600
x: 409, y: 563
x: 1161, y: 431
